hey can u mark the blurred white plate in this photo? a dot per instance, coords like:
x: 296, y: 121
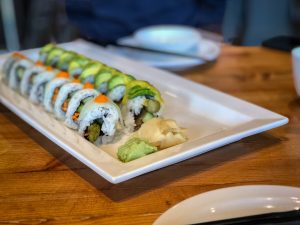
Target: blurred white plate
x: 212, y: 118
x: 175, y: 38
x: 232, y: 202
x: 206, y: 48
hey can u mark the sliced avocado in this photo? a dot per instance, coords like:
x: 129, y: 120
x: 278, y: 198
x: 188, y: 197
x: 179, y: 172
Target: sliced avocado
x: 65, y: 60
x: 132, y: 90
x: 47, y: 48
x: 90, y: 70
x: 142, y: 92
x: 77, y: 64
x: 54, y: 56
x: 119, y: 79
x: 103, y: 76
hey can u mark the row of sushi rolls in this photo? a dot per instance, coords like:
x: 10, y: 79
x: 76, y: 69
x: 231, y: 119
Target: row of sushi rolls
x: 98, y: 101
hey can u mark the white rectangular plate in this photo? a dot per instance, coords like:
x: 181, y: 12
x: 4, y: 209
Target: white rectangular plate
x: 212, y: 118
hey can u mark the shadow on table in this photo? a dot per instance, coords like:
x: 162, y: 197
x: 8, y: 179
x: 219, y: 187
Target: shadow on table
x: 152, y: 180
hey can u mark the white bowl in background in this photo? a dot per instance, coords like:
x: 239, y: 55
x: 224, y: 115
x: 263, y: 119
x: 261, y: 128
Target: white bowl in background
x: 168, y: 38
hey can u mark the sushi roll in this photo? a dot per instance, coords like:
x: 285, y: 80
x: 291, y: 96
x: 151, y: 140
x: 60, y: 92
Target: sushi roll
x: 54, y: 56
x: 89, y: 72
x: 43, y: 53
x: 64, y: 96
x: 52, y: 90
x: 65, y: 60
x: 17, y: 71
x: 117, y: 86
x: 102, y: 78
x: 77, y: 65
x: 27, y: 79
x: 76, y: 103
x: 39, y: 82
x: 99, y: 120
x: 9, y: 62
x: 141, y: 103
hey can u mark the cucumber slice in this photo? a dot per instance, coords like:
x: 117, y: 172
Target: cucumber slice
x: 147, y: 116
x: 87, y: 99
x: 20, y: 72
x: 93, y: 132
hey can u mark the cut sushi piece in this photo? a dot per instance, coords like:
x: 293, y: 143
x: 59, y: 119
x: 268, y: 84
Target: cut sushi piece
x: 77, y: 65
x: 89, y: 72
x: 52, y: 90
x: 64, y: 96
x: 17, y: 71
x: 38, y: 85
x: 43, y: 53
x: 102, y: 78
x: 117, y: 86
x: 141, y: 103
x: 99, y: 120
x: 78, y: 100
x: 27, y: 80
x: 65, y: 60
x: 54, y: 56
x: 9, y: 62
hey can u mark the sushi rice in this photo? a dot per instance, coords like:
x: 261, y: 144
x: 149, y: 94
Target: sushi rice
x: 75, y: 102
x: 49, y: 92
x: 63, y: 94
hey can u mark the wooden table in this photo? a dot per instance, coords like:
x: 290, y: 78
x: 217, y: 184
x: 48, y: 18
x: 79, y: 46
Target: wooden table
x: 42, y: 184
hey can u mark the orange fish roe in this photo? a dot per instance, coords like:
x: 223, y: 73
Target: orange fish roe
x: 65, y: 106
x: 76, y: 80
x: 49, y: 68
x: 62, y: 74
x: 75, y: 116
x: 19, y: 55
x: 101, y: 99
x: 39, y: 63
x: 88, y: 86
x: 54, y: 96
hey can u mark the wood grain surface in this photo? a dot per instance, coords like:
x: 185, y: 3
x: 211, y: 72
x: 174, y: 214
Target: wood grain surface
x: 42, y: 184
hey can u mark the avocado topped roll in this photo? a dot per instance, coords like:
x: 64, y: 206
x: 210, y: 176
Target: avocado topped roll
x: 43, y: 53
x: 65, y: 60
x: 54, y: 56
x: 52, y: 90
x: 141, y: 103
x: 9, y: 62
x: 64, y: 96
x: 102, y: 78
x: 17, y: 71
x: 99, y: 120
x: 77, y: 65
x: 27, y: 79
x: 89, y: 72
x: 39, y: 82
x: 117, y: 86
